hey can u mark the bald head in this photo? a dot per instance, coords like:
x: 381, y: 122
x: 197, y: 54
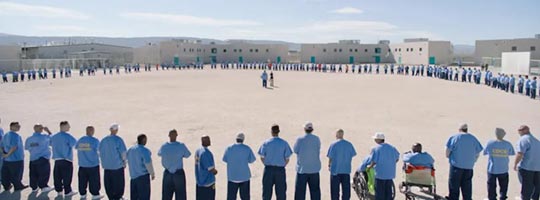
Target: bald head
x: 340, y: 133
x: 417, y: 148
x: 38, y: 128
x: 205, y: 140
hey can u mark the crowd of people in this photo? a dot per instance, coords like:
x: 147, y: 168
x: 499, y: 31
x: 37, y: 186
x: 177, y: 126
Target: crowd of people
x: 110, y: 153
x: 524, y: 84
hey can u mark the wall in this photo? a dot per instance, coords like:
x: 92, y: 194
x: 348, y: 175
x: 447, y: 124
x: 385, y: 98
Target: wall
x: 340, y: 53
x: 494, y: 48
x: 9, y: 57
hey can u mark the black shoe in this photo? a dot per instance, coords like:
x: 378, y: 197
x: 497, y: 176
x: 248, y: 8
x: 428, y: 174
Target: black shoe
x: 22, y: 188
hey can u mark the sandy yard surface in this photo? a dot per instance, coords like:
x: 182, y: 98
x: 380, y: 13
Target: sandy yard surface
x: 222, y: 103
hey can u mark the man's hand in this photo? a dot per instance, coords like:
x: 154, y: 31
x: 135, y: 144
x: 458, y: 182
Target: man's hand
x: 153, y: 176
x: 515, y: 168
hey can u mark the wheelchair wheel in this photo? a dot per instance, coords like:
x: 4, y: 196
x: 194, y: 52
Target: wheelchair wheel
x: 360, y: 187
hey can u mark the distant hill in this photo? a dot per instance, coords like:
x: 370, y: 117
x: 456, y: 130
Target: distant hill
x: 463, y: 49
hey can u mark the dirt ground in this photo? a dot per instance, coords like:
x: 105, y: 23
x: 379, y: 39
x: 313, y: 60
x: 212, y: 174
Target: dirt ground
x: 222, y: 103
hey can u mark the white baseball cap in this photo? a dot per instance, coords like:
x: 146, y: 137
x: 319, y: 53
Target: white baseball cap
x: 114, y: 126
x: 308, y: 125
x: 378, y: 136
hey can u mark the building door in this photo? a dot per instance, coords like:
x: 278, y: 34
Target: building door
x: 312, y: 59
x: 241, y: 59
x: 377, y: 59
x: 432, y: 60
x: 278, y: 59
x: 213, y: 59
x: 351, y: 59
x: 198, y: 59
x: 176, y: 60
x: 399, y: 60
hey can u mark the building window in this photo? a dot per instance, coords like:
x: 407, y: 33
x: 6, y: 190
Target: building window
x: 365, y: 50
x: 412, y: 49
x: 323, y: 50
x: 251, y: 50
x: 224, y: 50
x: 377, y: 50
x: 256, y: 50
x: 395, y: 50
x: 399, y: 49
x: 533, y: 48
x: 407, y: 50
x: 339, y: 50
x: 350, y: 50
x: 335, y: 50
x: 235, y: 50
x: 355, y: 50
x: 420, y: 49
x: 240, y: 50
x: 389, y: 50
x: 514, y: 48
x: 184, y: 49
x: 91, y: 49
x: 267, y: 50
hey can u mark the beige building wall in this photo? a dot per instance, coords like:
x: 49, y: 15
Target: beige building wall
x: 495, y: 48
x: 148, y: 54
x: 10, y: 57
x: 420, y: 52
x: 344, y: 53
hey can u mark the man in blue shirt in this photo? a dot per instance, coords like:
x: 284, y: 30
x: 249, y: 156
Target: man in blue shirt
x: 533, y: 87
x: 112, y: 152
x: 141, y: 169
x: 462, y: 150
x: 1, y: 150
x: 62, y: 147
x: 528, y: 163
x: 38, y: 145
x: 87, y: 152
x: 527, y: 86
x: 275, y: 153
x: 264, y: 77
x: 384, y: 158
x: 13, y: 155
x: 307, y: 149
x: 418, y: 158
x: 238, y: 157
x: 174, y: 178
x: 521, y: 81
x: 498, y: 151
x: 205, y: 171
x: 340, y: 155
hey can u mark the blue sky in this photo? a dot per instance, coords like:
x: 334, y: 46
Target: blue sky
x: 460, y: 21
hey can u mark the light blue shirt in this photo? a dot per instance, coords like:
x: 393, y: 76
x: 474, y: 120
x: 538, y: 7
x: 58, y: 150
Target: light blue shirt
x: 464, y: 149
x: 87, y: 151
x: 498, y: 152
x: 62, y: 146
x: 111, y: 149
x: 385, y: 157
x: 172, y: 155
x: 238, y: 156
x: 204, y: 162
x: 529, y: 146
x: 365, y: 163
x: 275, y: 151
x: 418, y: 159
x: 39, y: 146
x: 138, y: 157
x: 13, y: 139
x: 307, y: 149
x: 341, y: 153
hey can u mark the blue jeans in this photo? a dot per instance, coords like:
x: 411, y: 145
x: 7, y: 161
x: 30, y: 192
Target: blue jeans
x: 345, y: 181
x: 206, y: 193
x: 460, y: 179
x: 233, y: 188
x: 62, y: 176
x: 530, y: 184
x: 274, y: 176
x: 383, y: 189
x: 174, y: 184
x: 140, y: 188
x: 492, y: 186
x: 40, y: 172
x: 114, y: 183
x: 314, y: 186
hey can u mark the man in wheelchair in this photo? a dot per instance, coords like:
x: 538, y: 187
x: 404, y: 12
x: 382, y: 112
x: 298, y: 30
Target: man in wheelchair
x: 417, y: 158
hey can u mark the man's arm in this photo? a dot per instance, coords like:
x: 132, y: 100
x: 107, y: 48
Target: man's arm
x: 46, y: 129
x: 448, y: 152
x: 519, y: 157
x: 13, y: 149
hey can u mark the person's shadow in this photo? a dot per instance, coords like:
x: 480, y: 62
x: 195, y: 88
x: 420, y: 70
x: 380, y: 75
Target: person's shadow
x: 10, y: 195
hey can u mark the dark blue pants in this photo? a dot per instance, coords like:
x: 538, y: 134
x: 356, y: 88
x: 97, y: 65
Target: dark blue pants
x: 206, y: 193
x: 274, y: 176
x: 174, y: 184
x: 89, y: 177
x: 460, y: 179
x: 264, y: 83
x: 140, y: 188
x: 383, y: 189
x: 345, y: 181
x: 302, y: 180
x: 62, y: 175
x: 40, y: 172
x: 492, y: 186
x: 530, y: 184
x: 114, y: 183
x: 12, y: 172
x: 233, y: 188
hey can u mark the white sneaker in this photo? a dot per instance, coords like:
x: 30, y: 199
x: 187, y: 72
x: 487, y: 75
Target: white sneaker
x: 83, y: 196
x: 97, y: 197
x: 36, y: 190
x: 46, y: 189
x: 71, y: 193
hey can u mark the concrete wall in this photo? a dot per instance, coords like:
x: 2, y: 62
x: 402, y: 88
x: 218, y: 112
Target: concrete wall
x: 9, y: 57
x: 442, y: 51
x: 341, y: 53
x: 410, y: 53
x: 494, y: 48
x: 148, y: 54
x: 118, y: 55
